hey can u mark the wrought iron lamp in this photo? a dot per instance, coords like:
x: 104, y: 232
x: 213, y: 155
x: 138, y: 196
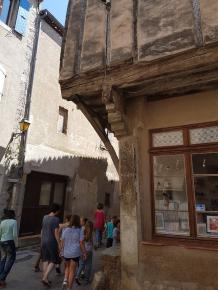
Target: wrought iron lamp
x: 24, y: 125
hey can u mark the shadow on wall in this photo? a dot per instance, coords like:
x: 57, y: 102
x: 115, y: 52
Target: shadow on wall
x: 87, y: 183
x: 2, y: 152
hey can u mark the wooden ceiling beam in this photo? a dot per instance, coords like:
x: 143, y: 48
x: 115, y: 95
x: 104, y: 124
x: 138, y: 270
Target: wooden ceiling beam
x: 129, y: 74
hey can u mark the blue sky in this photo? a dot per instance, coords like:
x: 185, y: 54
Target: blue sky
x: 57, y: 7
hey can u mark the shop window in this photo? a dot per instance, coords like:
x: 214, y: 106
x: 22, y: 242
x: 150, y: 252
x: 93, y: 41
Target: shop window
x: 62, y: 121
x: 171, y: 203
x: 185, y: 182
x: 205, y: 178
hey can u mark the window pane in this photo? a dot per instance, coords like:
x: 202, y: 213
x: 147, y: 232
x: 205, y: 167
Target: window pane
x: 45, y: 193
x: 60, y: 126
x: 205, y: 163
x: 206, y: 193
x: 62, y: 120
x: 171, y: 204
x: 204, y: 135
x: 59, y: 193
x: 173, y: 138
x: 4, y: 11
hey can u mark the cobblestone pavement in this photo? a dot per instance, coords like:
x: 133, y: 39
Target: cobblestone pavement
x: 23, y: 277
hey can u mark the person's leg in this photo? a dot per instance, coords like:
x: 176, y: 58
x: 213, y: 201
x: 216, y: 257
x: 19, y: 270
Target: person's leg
x: 37, y: 268
x: 72, y: 271
x: 100, y: 237
x: 3, y: 256
x: 10, y: 259
x: 97, y: 234
x: 47, y: 272
x: 88, y: 267
x: 66, y: 272
x: 80, y: 270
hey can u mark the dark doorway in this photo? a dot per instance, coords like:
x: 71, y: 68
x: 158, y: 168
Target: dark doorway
x: 42, y: 190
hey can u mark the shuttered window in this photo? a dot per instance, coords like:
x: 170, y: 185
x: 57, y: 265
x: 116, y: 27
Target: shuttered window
x: 5, y: 6
x: 22, y: 16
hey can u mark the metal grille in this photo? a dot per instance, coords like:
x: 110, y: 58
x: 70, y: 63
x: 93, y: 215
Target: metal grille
x: 204, y: 135
x: 173, y: 138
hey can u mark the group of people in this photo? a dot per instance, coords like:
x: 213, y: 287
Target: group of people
x: 109, y: 227
x: 70, y: 243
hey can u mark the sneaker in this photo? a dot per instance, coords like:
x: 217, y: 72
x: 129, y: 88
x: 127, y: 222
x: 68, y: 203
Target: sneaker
x: 77, y: 281
x: 58, y: 270
x: 64, y: 285
x: 37, y: 269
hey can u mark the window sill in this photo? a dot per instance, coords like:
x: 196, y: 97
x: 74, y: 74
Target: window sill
x: 190, y: 244
x: 5, y: 26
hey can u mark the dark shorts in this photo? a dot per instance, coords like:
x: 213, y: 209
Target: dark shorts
x: 50, y: 253
x: 76, y: 260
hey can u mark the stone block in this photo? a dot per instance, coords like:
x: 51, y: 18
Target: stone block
x: 99, y: 281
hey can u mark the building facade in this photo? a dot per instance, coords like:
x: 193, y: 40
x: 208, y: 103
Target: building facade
x: 60, y: 144
x: 149, y: 70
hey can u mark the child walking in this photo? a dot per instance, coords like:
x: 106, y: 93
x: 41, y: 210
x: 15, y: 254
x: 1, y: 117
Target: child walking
x: 109, y: 231
x: 72, y: 245
x: 116, y: 233
x: 86, y: 264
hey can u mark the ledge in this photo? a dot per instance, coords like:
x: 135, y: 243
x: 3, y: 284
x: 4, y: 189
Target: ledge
x: 186, y: 244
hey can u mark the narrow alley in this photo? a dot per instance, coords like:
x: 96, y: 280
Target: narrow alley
x: 23, y: 276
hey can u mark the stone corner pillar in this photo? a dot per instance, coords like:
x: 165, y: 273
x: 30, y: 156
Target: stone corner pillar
x: 129, y: 213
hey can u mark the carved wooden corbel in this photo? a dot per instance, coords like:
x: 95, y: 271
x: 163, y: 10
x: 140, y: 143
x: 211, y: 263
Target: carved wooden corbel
x: 115, y: 106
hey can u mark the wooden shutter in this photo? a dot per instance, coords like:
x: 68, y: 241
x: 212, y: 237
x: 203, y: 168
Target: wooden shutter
x: 22, y: 16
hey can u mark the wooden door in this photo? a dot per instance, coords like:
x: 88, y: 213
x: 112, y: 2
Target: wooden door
x: 42, y: 190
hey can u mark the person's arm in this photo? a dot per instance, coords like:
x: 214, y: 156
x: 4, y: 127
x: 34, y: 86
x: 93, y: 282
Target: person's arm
x: 82, y: 244
x: 0, y: 231
x: 15, y: 234
x: 57, y: 237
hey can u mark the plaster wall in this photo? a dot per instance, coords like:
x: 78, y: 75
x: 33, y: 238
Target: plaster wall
x: 164, y: 267
x: 15, y: 58
x: 77, y: 153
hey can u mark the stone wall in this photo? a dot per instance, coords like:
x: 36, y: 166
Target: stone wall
x: 160, y: 266
x: 15, y: 57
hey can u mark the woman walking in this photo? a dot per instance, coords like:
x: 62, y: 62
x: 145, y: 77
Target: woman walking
x: 8, y: 243
x: 72, y: 245
x: 86, y: 264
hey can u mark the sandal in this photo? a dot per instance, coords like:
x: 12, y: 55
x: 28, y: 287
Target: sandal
x: 47, y: 284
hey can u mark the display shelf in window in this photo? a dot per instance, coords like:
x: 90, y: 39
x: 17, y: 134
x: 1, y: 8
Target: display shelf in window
x: 170, y: 195
x: 205, y: 179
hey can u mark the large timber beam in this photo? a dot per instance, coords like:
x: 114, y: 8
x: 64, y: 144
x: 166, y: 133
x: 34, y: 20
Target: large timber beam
x: 98, y: 126
x: 128, y: 75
